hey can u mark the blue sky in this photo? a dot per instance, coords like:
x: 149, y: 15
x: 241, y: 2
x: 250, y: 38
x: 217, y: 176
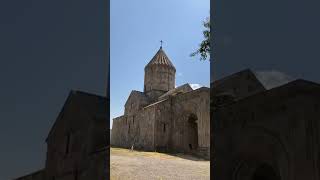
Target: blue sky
x: 136, y: 30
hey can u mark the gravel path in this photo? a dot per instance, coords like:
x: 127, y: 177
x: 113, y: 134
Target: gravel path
x: 135, y: 165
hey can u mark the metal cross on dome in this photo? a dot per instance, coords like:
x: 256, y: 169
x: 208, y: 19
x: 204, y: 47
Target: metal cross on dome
x: 161, y: 43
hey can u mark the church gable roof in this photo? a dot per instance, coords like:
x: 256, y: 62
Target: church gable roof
x: 160, y: 58
x: 246, y: 72
x: 181, y: 89
x: 155, y: 103
x: 273, y: 78
x: 267, y: 79
x: 135, y: 101
x: 280, y: 93
x: 79, y: 95
x: 239, y: 85
x: 136, y: 94
x: 296, y: 86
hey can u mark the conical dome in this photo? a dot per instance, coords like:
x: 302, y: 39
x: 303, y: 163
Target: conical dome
x: 159, y: 75
x: 160, y: 58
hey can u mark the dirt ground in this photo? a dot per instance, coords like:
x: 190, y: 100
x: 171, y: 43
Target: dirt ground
x: 137, y: 165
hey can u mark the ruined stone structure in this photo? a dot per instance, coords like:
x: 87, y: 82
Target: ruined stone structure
x: 264, y: 134
x: 77, y: 142
x: 162, y: 117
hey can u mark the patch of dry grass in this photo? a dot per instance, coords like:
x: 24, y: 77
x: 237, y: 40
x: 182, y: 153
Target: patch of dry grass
x: 140, y: 165
x: 128, y: 152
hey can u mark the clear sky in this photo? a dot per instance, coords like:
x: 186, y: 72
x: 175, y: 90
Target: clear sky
x: 136, y: 30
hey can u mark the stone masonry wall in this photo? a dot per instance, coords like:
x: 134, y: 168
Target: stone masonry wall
x: 195, y: 103
x: 134, y: 130
x: 282, y: 127
x: 163, y: 126
x: 159, y: 78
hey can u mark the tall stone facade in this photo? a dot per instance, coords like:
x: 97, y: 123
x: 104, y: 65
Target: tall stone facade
x: 265, y: 134
x: 77, y: 144
x: 164, y: 118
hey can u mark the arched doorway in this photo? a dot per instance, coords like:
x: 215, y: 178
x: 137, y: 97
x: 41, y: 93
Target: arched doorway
x: 265, y: 172
x: 253, y: 170
x: 192, y: 132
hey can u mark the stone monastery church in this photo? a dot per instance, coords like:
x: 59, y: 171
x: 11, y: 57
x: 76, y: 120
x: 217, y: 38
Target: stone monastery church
x: 77, y: 143
x: 264, y: 133
x: 258, y: 132
x: 162, y: 117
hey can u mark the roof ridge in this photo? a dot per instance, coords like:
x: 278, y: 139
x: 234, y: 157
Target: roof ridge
x: 88, y: 94
x: 232, y: 75
x: 279, y: 88
x: 137, y: 91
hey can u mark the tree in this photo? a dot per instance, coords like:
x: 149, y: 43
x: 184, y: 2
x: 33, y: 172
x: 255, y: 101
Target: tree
x: 204, y: 47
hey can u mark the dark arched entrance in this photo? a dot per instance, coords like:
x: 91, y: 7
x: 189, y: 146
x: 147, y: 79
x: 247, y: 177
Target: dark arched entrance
x: 253, y: 170
x: 192, y: 128
x: 265, y: 172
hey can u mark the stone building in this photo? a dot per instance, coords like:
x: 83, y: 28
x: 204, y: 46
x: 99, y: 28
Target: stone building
x: 270, y: 134
x: 77, y: 142
x: 164, y: 117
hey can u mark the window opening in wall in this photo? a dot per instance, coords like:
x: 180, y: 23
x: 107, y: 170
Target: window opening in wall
x: 129, y: 129
x: 164, y: 127
x: 76, y: 174
x: 68, y: 143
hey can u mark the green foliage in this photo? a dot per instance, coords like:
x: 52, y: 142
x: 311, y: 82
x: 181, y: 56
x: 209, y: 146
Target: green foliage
x: 204, y: 47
